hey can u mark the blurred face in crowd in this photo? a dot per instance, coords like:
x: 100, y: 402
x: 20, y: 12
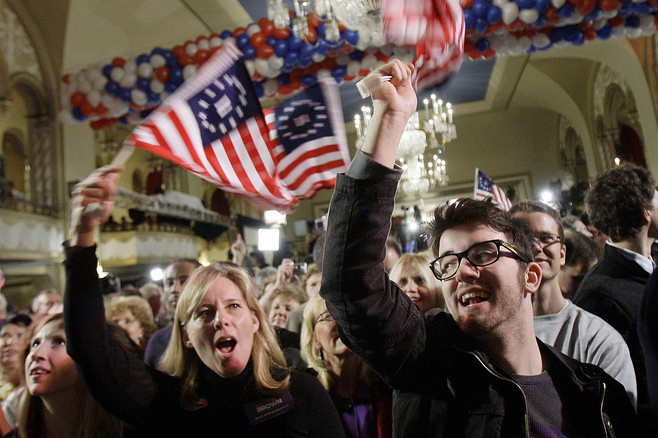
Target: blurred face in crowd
x: 45, y: 302
x: 221, y: 329
x: 327, y: 339
x: 313, y: 284
x: 127, y: 321
x: 550, y: 251
x: 48, y: 368
x: 280, y: 309
x: 419, y: 286
x: 12, y: 343
x: 390, y: 259
x: 176, y: 275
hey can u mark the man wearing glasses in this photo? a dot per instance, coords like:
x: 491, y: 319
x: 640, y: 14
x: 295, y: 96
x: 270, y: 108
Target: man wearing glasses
x: 479, y: 370
x: 560, y: 323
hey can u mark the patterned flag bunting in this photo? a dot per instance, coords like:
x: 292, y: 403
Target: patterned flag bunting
x: 486, y: 188
x: 214, y: 126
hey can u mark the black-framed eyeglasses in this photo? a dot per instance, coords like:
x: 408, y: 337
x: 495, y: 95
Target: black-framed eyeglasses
x: 480, y: 254
x: 546, y: 239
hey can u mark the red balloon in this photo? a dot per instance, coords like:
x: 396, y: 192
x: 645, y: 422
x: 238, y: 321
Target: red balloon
x: 653, y: 3
x: 363, y: 72
x: 469, y: 46
x: 284, y: 90
x: 311, y: 36
x: 118, y: 62
x: 185, y: 60
x: 616, y: 21
x: 97, y: 125
x: 489, y: 54
x: 466, y: 3
x: 86, y: 108
x: 313, y: 20
x: 214, y: 49
x: 280, y: 33
x: 265, y: 51
x: 201, y: 56
x: 258, y: 39
x: 77, y: 98
x: 610, y: 5
x: 475, y: 54
x: 200, y: 38
x: 590, y: 34
x: 162, y: 73
x: 341, y: 27
x: 101, y: 110
x: 266, y: 26
x: 66, y: 79
x: 587, y: 7
x: 178, y: 51
x: 238, y: 31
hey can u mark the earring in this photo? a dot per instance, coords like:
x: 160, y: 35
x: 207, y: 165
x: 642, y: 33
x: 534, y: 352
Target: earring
x: 321, y: 355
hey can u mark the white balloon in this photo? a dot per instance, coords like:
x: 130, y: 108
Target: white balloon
x: 561, y: 44
x: 647, y: 23
x: 188, y: 71
x: 157, y: 86
x: 496, y: 43
x: 619, y: 31
x: 342, y: 59
x: 318, y: 57
x: 85, y: 87
x: 369, y: 62
x: 130, y: 65
x: 609, y: 14
x: 387, y: 49
x: 529, y: 15
x: 559, y: 3
x: 353, y: 68
x: 510, y: 12
x: 163, y: 96
x: 145, y: 70
x: 525, y: 43
x: 116, y: 74
x: 215, y: 42
x: 601, y: 22
x: 191, y: 49
x: 203, y: 44
x: 134, y: 118
x: 138, y: 96
x: 251, y: 68
x: 276, y: 62
x: 500, y: 3
x: 633, y: 32
x: 270, y: 86
x: 262, y: 66
x: 108, y: 101
x: 323, y: 73
x: 541, y: 40
x: 128, y: 80
x: 157, y: 60
x: 229, y: 40
x: 94, y: 97
x: 252, y: 29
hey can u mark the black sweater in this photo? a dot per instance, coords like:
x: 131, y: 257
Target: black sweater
x: 149, y: 400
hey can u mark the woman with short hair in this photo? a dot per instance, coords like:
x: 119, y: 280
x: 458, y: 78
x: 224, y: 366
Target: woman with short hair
x: 134, y: 315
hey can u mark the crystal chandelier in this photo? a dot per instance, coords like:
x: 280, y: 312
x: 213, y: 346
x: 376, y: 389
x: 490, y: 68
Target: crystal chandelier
x: 421, y: 147
x: 360, y: 15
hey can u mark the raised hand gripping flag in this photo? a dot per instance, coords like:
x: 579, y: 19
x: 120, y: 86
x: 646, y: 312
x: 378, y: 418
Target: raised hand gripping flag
x: 214, y: 126
x: 486, y: 188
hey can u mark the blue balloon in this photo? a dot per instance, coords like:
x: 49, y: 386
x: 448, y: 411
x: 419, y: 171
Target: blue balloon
x: 242, y: 40
x: 124, y: 94
x: 287, y: 68
x: 571, y: 33
x: 258, y: 88
x: 469, y: 19
x: 172, y: 61
x: 112, y: 88
x: 479, y: 8
x: 270, y: 41
x: 306, y: 52
x: 594, y: 14
x: 556, y: 35
x: 145, y: 113
x: 291, y: 58
x: 526, y: 4
x: 305, y: 62
x: 167, y: 55
x: 540, y: 23
x: 153, y: 98
x: 308, y: 80
x: 494, y: 14
x: 605, y: 32
x: 142, y: 58
x: 481, y: 25
x: 626, y: 8
x: 157, y: 51
x: 322, y: 47
x: 632, y: 21
x: 284, y: 79
x: 542, y: 5
x: 580, y: 39
x: 77, y: 113
x: 123, y: 120
x: 170, y: 87
x: 320, y: 29
x: 357, y: 55
x: 176, y: 76
x: 352, y: 36
x: 249, y: 52
x: 482, y: 45
x: 339, y: 72
x: 566, y: 10
x: 294, y: 44
x: 143, y: 84
x: 107, y: 69
x: 226, y: 34
x: 280, y: 47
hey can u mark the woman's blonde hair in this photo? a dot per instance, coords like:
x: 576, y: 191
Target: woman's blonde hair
x: 93, y: 421
x: 419, y: 261
x: 140, y: 309
x: 266, y: 355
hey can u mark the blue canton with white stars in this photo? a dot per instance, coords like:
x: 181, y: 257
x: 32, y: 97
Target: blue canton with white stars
x: 484, y: 182
x: 302, y: 118
x: 224, y: 104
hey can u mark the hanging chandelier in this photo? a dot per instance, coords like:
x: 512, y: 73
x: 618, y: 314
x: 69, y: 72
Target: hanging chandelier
x: 421, y: 147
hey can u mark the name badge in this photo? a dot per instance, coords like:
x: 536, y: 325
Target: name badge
x: 262, y: 410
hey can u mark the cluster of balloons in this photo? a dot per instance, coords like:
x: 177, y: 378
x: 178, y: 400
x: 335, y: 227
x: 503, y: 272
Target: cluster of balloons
x: 127, y: 90
x: 512, y: 27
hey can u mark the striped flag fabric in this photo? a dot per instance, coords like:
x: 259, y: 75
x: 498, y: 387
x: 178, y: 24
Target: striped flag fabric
x: 214, y: 126
x: 486, y: 188
x: 435, y: 27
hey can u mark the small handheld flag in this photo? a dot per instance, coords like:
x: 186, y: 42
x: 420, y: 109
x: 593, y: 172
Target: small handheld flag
x: 486, y: 188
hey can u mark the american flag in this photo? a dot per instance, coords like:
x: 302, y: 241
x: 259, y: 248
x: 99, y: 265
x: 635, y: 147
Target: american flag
x: 214, y: 126
x: 486, y: 188
x: 435, y: 27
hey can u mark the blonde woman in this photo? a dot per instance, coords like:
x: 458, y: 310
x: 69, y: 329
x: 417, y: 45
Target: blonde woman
x: 134, y: 315
x: 55, y: 402
x: 223, y: 373
x: 364, y: 406
x: 412, y: 273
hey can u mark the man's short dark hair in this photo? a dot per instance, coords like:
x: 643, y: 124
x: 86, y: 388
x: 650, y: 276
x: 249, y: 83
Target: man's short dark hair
x: 186, y: 260
x: 540, y: 207
x: 616, y: 200
x: 471, y: 212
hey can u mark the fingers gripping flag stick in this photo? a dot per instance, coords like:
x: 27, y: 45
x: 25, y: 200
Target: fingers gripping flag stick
x: 214, y: 126
x: 486, y: 188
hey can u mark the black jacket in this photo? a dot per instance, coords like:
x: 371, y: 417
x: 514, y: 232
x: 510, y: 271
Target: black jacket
x: 149, y: 400
x: 462, y: 391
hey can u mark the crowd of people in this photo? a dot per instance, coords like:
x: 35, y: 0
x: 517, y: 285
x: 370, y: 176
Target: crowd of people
x: 513, y: 323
